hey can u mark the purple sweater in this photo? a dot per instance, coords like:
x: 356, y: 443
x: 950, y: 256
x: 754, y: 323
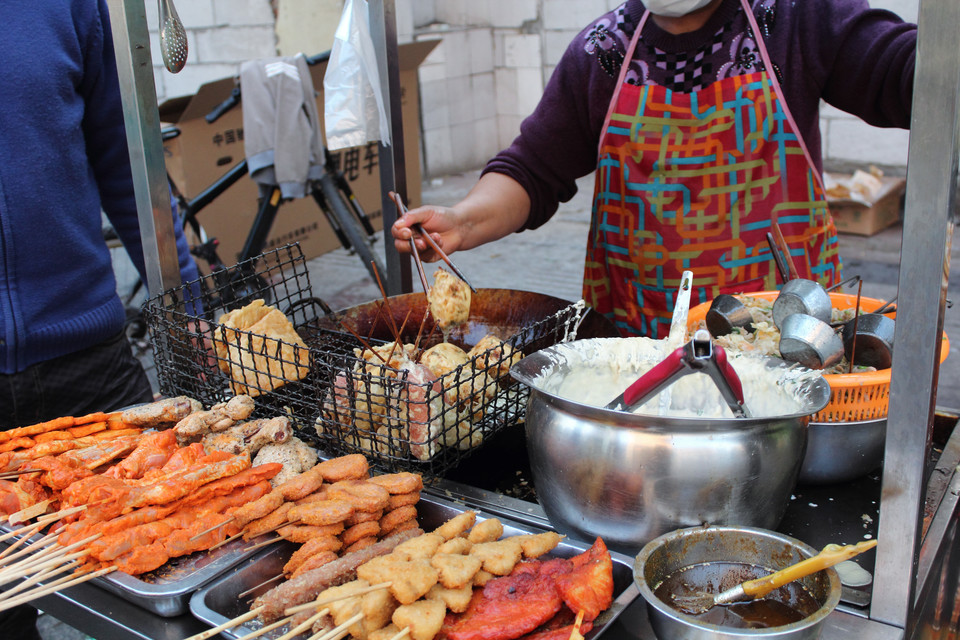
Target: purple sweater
x: 858, y: 59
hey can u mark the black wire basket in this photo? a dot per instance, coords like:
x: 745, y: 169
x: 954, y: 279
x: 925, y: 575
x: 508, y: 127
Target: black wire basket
x: 343, y: 392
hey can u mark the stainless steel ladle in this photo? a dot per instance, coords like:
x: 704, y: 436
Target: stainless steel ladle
x: 173, y: 37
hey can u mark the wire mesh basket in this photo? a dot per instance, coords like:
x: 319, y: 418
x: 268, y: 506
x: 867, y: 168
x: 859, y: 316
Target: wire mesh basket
x: 343, y: 392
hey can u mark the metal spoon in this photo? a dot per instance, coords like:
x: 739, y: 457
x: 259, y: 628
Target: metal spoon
x: 173, y: 37
x: 699, y: 602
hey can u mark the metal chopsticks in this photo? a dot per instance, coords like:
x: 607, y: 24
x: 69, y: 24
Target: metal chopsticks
x: 433, y: 245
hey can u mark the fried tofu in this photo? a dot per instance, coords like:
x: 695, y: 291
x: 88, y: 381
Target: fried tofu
x: 377, y: 608
x: 423, y: 618
x: 535, y: 545
x: 386, y: 633
x: 457, y: 525
x: 457, y: 546
x: 423, y: 546
x: 456, y: 570
x: 409, y: 580
x: 486, y: 531
x: 457, y: 600
x: 344, y: 608
x: 482, y: 578
x: 498, y: 557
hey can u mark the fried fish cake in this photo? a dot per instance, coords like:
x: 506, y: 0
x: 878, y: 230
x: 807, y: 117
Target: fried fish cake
x: 315, y: 561
x: 456, y: 570
x: 398, y: 483
x: 357, y: 531
x: 363, y: 495
x: 535, y: 545
x: 424, y: 618
x: 457, y: 525
x: 457, y: 600
x: 498, y: 557
x: 391, y: 519
x: 486, y: 531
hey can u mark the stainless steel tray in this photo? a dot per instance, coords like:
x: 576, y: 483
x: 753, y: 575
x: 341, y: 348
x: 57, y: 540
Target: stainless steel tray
x: 167, y: 590
x: 219, y: 601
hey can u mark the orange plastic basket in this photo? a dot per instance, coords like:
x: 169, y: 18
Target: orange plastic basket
x: 853, y: 396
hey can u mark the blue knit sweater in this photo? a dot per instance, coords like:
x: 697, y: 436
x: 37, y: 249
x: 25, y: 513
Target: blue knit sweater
x: 63, y: 158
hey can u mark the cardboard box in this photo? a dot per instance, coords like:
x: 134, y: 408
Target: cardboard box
x: 865, y: 218
x: 203, y: 152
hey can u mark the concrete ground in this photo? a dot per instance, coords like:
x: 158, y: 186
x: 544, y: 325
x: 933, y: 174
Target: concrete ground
x: 550, y: 261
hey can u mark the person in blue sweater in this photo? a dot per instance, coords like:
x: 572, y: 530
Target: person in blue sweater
x: 63, y: 159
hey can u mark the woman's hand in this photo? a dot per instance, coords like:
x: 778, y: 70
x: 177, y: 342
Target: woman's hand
x: 442, y: 223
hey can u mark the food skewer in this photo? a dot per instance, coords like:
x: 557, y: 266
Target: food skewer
x: 433, y: 245
x: 7, y: 475
x: 57, y: 585
x: 42, y: 575
x: 28, y: 513
x: 45, y: 520
x: 43, y: 558
x: 213, y: 528
x: 234, y: 622
x: 267, y: 629
x: 333, y: 633
x: 244, y: 594
x: 413, y: 245
x: 50, y: 538
x: 264, y: 543
x: 402, y: 634
x: 308, y: 623
x: 325, y: 601
x: 225, y: 541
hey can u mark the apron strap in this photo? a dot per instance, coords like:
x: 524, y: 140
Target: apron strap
x: 624, y: 67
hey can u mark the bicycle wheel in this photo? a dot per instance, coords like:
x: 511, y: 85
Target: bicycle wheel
x: 350, y: 226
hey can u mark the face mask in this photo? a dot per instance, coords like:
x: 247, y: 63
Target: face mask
x: 674, y: 8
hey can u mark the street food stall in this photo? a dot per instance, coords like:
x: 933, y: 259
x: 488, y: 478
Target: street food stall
x: 911, y: 505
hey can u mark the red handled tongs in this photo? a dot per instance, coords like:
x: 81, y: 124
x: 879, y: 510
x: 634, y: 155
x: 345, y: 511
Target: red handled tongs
x: 698, y: 355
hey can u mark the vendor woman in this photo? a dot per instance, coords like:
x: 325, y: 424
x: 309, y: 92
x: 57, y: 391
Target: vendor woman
x: 700, y: 120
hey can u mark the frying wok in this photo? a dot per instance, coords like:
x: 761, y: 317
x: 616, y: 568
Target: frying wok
x: 501, y: 312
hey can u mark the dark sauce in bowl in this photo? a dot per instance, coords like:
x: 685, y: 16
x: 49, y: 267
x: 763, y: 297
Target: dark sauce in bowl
x: 790, y: 603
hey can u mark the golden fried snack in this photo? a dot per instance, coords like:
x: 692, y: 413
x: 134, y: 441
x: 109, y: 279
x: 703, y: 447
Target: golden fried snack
x: 363, y: 495
x: 351, y: 467
x: 498, y: 557
x: 316, y: 496
x: 413, y: 580
x: 397, y: 483
x: 380, y: 569
x: 443, y: 358
x: 269, y: 357
x: 377, y: 608
x: 402, y: 500
x: 360, y: 544
x: 357, y: 531
x: 344, y: 608
x: 322, y: 512
x: 423, y: 618
x: 486, y: 531
x: 458, y: 546
x: 457, y: 525
x: 457, y: 600
x: 358, y: 517
x: 259, y: 508
x: 313, y: 562
x: 496, y: 356
x: 393, y: 518
x: 423, y: 546
x: 535, y: 545
x: 386, y: 633
x: 302, y: 534
x: 403, y: 526
x: 482, y: 578
x: 302, y: 485
x: 449, y: 299
x: 271, y: 522
x: 308, y: 549
x: 455, y: 570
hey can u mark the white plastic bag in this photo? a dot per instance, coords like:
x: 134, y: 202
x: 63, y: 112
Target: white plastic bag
x: 353, y: 107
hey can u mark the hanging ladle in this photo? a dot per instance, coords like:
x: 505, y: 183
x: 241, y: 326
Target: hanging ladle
x: 700, y: 602
x: 697, y: 355
x: 173, y: 37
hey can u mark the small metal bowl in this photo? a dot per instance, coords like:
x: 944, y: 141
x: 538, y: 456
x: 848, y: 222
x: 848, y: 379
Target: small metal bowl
x: 679, y: 549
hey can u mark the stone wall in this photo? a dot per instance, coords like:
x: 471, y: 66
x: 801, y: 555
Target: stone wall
x: 477, y: 86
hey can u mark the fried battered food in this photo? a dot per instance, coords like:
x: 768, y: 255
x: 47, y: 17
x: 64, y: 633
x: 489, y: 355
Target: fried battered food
x: 308, y: 533
x: 303, y: 485
x: 357, y: 531
x: 443, y: 358
x: 310, y: 548
x: 363, y: 495
x: 257, y: 509
x: 219, y: 417
x: 423, y: 618
x: 456, y: 546
x: 457, y: 600
x: 359, y: 517
x: 316, y: 496
x: 420, y: 547
x: 482, y: 578
x: 377, y: 608
x: 361, y: 544
x: 161, y: 413
x: 399, y: 483
x: 386, y: 633
x: 449, y: 299
x: 494, y: 356
x: 350, y: 467
x: 457, y: 525
x: 343, y: 608
x: 393, y: 518
x: 412, y: 580
x: 403, y: 526
x: 323, y: 512
x: 498, y: 557
x: 315, y: 561
x: 271, y: 522
x: 295, y: 455
x: 535, y: 545
x: 486, y: 531
x: 259, y: 348
x: 402, y: 500
x: 456, y: 570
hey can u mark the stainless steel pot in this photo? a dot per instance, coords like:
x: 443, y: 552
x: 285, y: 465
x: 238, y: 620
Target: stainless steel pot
x: 676, y: 550
x: 629, y: 477
x: 842, y: 451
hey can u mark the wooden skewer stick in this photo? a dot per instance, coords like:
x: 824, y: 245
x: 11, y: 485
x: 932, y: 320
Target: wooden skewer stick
x: 23, y: 539
x: 43, y: 575
x: 42, y: 542
x: 225, y: 541
x: 306, y: 624
x: 319, y: 602
x: 28, y: 513
x: 35, y: 568
x: 244, y: 594
x: 263, y: 543
x: 45, y: 520
x: 216, y: 526
x: 229, y: 624
x: 337, y: 630
x: 45, y: 556
x: 51, y: 588
x: 403, y: 634
x: 267, y: 629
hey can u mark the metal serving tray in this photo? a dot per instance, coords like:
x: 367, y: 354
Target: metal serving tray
x: 220, y: 601
x: 167, y: 590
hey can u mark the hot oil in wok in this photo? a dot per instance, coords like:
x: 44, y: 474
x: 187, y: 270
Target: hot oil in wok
x: 790, y: 603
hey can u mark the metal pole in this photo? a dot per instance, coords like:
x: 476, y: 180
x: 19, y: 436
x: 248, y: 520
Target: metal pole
x: 924, y: 272
x: 393, y: 173
x: 128, y: 22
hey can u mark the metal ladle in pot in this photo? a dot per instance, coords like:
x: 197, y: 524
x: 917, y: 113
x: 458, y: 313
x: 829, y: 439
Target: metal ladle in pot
x: 699, y: 354
x: 869, y: 342
x: 810, y: 342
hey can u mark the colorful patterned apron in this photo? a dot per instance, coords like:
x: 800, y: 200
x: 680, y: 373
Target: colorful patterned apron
x: 692, y: 181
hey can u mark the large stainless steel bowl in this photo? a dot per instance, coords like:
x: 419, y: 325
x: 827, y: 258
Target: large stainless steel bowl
x: 629, y: 478
x: 842, y: 451
x: 676, y: 550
